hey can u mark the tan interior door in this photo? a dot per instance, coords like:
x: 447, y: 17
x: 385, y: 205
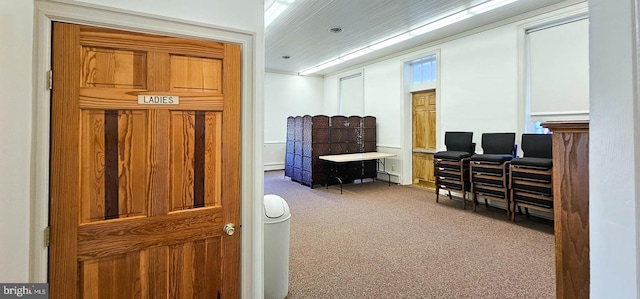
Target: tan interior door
x: 140, y: 192
x: 424, y: 137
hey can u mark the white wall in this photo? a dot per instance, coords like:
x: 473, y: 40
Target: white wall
x: 284, y: 96
x: 614, y: 150
x: 237, y: 14
x: 477, y: 92
x: 477, y: 89
x: 16, y: 118
x: 17, y: 150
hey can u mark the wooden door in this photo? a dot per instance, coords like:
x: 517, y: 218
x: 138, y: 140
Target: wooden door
x: 140, y: 192
x: 424, y: 137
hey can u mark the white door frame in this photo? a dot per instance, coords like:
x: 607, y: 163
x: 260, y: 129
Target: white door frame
x: 251, y: 260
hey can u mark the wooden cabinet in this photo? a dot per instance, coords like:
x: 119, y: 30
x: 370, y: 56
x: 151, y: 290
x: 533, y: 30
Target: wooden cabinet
x: 571, y: 207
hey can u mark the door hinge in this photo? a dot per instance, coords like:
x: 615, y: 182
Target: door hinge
x: 47, y: 231
x: 50, y: 79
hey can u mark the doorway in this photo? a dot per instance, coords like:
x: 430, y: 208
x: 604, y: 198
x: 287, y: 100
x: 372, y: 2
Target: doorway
x: 424, y: 137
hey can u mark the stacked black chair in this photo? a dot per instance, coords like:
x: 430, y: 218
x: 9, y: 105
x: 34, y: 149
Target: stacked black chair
x: 452, y: 166
x: 490, y: 170
x: 532, y: 175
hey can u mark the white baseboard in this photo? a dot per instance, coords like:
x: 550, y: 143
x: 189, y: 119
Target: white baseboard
x: 273, y: 166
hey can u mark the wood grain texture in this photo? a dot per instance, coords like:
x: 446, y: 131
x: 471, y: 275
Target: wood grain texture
x: 119, y: 236
x: 106, y: 98
x: 424, y: 120
x: 131, y: 256
x: 92, y: 166
x: 196, y: 74
x: 158, y: 186
x: 113, y: 68
x: 231, y: 164
x: 571, y: 208
x: 132, y: 163
x: 422, y: 168
x: 195, y: 269
x: 111, y: 189
x: 156, y: 268
x: 118, y: 277
x: 159, y: 130
x: 65, y: 180
x: 198, y: 160
x: 110, y: 38
x: 213, y: 159
x: 182, y: 149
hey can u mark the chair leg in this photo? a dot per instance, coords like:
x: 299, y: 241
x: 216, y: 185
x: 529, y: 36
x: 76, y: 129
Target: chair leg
x: 513, y: 212
x: 519, y: 210
x: 437, y: 193
x: 486, y: 203
x: 464, y: 199
x: 526, y: 210
x: 450, y: 197
x: 475, y: 201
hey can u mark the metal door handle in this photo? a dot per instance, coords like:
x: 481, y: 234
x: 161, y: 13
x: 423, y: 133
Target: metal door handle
x: 229, y: 229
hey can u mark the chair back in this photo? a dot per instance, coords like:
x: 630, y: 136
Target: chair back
x: 459, y: 142
x: 537, y: 145
x: 499, y: 143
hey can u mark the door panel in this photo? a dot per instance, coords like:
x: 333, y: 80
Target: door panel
x: 424, y: 137
x: 138, y: 200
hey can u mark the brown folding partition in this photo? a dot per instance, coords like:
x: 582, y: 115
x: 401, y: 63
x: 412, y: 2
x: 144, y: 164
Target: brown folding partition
x: 309, y: 137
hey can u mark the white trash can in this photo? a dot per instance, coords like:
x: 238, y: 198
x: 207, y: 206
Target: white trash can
x: 276, y: 247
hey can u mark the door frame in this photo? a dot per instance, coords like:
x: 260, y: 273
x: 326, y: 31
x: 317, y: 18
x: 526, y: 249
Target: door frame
x: 407, y: 110
x: 252, y: 182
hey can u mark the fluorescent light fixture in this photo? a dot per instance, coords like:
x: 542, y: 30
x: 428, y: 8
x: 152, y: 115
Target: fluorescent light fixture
x: 443, y: 22
x: 276, y: 8
x: 455, y: 18
x: 309, y: 71
x: 355, y: 54
x: 391, y: 41
x: 489, y: 5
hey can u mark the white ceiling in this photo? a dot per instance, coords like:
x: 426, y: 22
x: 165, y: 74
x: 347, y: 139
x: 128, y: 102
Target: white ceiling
x: 302, y: 31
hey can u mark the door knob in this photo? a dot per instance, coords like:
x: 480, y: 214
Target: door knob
x: 229, y: 229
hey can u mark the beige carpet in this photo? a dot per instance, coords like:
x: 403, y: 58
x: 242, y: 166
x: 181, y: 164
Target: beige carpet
x: 376, y: 241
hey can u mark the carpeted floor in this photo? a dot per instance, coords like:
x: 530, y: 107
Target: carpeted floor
x: 379, y: 241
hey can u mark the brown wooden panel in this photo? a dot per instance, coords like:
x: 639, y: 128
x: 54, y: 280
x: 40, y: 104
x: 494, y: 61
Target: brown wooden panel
x: 103, y: 239
x: 65, y: 125
x: 424, y: 120
x: 231, y: 165
x: 181, y: 271
x: 158, y: 186
x: 107, y: 98
x: 156, y: 266
x: 182, y: 149
x: 111, y: 188
x: 571, y: 209
x: 430, y: 133
x: 92, y: 185
x: 132, y: 163
x: 129, y: 257
x: 422, y: 168
x: 104, y: 37
x: 195, y: 269
x: 196, y: 74
x: 113, y: 68
x: 116, y: 277
x: 213, y: 159
x: 431, y: 98
x: 198, y: 159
